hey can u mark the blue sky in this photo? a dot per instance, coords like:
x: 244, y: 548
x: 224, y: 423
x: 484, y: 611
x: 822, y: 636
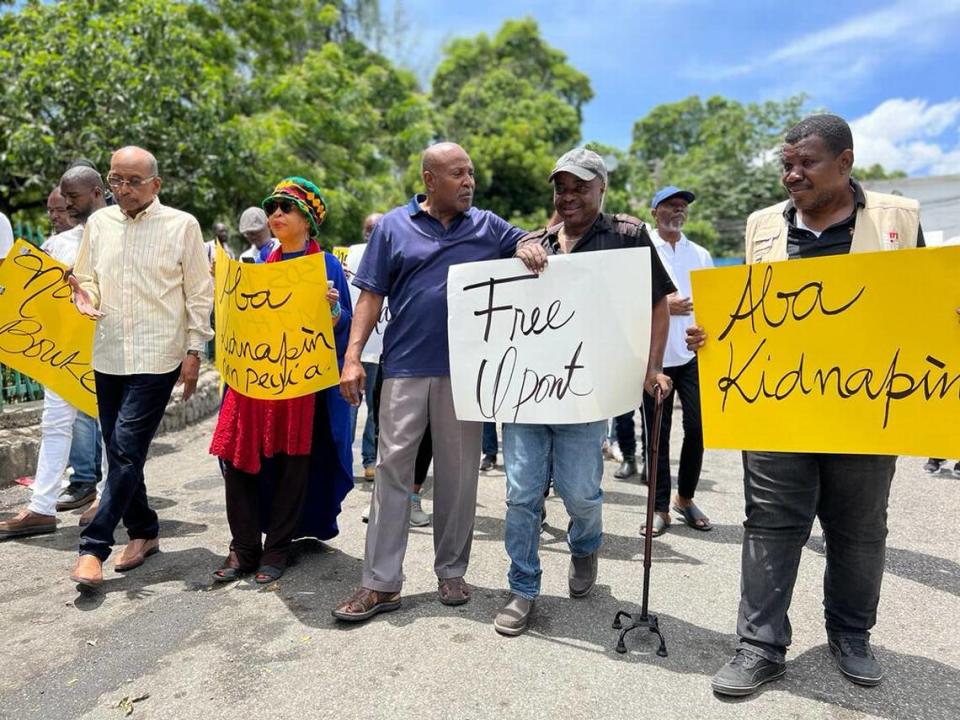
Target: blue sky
x: 892, y: 68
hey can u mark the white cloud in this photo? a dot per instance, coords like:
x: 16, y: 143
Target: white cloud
x: 909, y: 135
x: 857, y: 41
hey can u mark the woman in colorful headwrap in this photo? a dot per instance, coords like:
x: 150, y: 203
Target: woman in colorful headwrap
x: 287, y: 464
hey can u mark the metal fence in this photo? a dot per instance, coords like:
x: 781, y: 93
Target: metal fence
x: 16, y: 387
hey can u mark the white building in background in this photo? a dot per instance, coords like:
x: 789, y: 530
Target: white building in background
x: 939, y: 198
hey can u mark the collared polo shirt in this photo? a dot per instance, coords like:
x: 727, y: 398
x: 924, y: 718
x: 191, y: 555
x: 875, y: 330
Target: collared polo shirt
x: 150, y: 277
x: 407, y: 259
x: 679, y: 261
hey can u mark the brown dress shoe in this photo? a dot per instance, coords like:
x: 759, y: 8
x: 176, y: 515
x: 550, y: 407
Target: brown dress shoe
x: 87, y: 516
x: 88, y: 571
x: 27, y: 523
x: 133, y: 555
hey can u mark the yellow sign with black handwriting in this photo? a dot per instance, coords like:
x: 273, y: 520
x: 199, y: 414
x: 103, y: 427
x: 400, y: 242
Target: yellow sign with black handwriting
x: 274, y: 332
x: 849, y: 354
x: 41, y: 333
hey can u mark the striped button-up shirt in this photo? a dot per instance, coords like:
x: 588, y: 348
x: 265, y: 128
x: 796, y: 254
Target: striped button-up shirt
x: 150, y: 278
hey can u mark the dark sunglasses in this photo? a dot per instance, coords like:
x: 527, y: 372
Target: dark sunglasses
x: 286, y: 206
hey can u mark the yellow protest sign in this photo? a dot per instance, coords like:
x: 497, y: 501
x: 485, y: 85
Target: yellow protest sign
x: 340, y: 252
x: 850, y: 354
x: 274, y: 330
x: 41, y: 333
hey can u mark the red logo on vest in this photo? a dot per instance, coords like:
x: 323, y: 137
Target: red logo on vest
x: 893, y: 235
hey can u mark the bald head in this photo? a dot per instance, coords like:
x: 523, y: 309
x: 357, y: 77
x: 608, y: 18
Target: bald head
x: 437, y: 155
x: 369, y: 223
x: 82, y: 176
x: 133, y: 156
x: 447, y: 173
x: 83, y: 192
x: 134, y: 179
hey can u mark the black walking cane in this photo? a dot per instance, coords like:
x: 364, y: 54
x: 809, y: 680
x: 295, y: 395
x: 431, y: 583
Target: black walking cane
x: 646, y: 619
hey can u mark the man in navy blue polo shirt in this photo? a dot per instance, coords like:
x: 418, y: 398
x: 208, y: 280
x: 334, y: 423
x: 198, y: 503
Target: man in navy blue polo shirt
x: 407, y: 259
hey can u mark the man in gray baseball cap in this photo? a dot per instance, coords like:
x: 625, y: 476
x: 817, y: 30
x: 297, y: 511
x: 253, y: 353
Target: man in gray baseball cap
x: 583, y: 163
x: 570, y: 454
x: 253, y: 226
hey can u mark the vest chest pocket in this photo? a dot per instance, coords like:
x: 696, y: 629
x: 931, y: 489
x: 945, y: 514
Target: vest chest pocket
x: 762, y: 247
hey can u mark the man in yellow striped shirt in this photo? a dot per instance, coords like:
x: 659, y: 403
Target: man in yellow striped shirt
x: 142, y: 274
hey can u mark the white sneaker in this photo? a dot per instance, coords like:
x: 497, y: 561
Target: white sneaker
x: 418, y: 518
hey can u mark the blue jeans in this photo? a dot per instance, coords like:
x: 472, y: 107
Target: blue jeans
x: 531, y: 453
x: 131, y: 408
x: 489, y: 445
x: 85, y: 451
x: 368, y: 443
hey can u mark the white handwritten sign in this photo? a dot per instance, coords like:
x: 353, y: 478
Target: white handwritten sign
x: 374, y: 347
x: 569, y: 346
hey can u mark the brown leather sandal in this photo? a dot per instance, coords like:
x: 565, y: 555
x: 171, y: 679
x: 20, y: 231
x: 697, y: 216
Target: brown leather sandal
x: 453, y: 591
x: 365, y: 603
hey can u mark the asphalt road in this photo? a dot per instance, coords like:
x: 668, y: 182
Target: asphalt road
x: 189, y: 650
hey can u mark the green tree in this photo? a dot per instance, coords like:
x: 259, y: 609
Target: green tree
x: 722, y: 150
x: 82, y: 78
x: 345, y: 118
x: 515, y: 104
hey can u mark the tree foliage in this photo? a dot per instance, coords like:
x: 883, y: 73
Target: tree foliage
x: 515, y: 103
x: 723, y: 151
x: 232, y: 95
x: 84, y: 78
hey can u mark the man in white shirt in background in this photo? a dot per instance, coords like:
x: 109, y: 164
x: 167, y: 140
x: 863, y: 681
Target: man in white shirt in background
x: 680, y: 256
x: 142, y: 273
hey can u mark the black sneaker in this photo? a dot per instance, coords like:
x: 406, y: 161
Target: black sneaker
x: 76, y: 495
x: 489, y: 462
x: 746, y: 673
x: 855, y: 658
x: 932, y: 466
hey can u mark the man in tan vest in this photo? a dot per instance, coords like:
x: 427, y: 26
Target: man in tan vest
x: 828, y: 213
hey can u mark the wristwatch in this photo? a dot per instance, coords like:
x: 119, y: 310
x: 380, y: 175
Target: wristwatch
x: 195, y: 353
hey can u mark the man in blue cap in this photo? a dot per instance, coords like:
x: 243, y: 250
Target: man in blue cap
x: 680, y: 256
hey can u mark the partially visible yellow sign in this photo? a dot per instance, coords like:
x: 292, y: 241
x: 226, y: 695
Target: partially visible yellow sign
x: 340, y: 252
x: 274, y: 329
x: 849, y: 354
x: 41, y: 333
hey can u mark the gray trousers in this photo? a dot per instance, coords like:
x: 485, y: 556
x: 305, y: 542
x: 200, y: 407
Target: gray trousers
x: 406, y: 406
x: 784, y: 492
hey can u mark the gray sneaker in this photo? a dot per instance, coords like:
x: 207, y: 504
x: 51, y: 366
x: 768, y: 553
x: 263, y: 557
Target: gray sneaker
x: 855, y: 658
x: 418, y: 518
x: 582, y: 575
x: 746, y: 673
x: 514, y: 616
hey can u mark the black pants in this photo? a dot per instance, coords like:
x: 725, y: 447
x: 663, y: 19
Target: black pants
x: 686, y: 384
x: 783, y: 493
x: 626, y: 430
x: 131, y: 408
x: 289, y: 491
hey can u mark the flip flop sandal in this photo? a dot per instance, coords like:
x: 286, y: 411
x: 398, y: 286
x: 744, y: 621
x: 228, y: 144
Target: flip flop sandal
x: 659, y: 526
x: 693, y: 516
x: 267, y: 574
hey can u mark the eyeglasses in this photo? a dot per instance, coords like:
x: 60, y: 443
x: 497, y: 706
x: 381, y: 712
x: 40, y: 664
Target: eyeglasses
x: 118, y: 182
x: 286, y: 206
